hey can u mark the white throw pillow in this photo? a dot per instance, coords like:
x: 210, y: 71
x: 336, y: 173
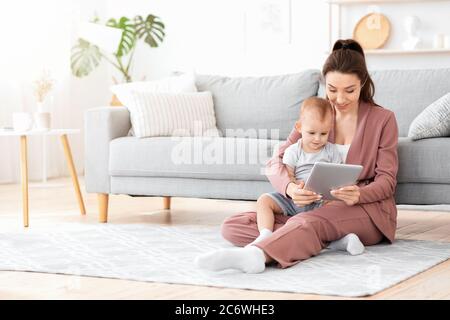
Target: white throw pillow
x: 172, y: 114
x: 432, y: 122
x: 175, y: 84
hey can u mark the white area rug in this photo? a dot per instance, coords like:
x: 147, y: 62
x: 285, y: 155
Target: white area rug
x: 431, y: 207
x: 166, y: 253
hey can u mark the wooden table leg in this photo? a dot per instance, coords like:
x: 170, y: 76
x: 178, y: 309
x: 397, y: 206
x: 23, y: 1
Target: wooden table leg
x: 73, y: 172
x: 166, y: 203
x: 103, y: 207
x: 24, y: 176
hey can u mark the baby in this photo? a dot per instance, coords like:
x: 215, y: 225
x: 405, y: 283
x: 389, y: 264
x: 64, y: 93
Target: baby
x: 314, y: 125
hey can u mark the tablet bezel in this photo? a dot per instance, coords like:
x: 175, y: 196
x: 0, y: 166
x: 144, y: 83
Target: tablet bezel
x: 326, y: 176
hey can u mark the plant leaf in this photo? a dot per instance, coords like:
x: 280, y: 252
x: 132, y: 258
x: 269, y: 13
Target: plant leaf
x: 151, y: 29
x: 85, y: 57
x: 128, y: 39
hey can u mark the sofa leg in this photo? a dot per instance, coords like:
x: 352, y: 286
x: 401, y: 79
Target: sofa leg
x: 166, y: 203
x: 103, y: 207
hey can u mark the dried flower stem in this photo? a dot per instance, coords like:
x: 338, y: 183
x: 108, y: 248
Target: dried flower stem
x: 43, y: 86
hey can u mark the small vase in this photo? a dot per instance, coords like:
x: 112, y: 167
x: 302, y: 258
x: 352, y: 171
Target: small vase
x: 42, y: 120
x: 40, y: 106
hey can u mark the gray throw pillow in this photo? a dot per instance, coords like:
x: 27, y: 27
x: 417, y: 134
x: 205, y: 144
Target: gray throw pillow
x: 432, y: 122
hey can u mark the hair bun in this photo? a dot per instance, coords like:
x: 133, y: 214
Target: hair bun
x: 349, y: 44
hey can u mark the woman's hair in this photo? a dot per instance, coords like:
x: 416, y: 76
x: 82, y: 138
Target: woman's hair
x: 348, y: 57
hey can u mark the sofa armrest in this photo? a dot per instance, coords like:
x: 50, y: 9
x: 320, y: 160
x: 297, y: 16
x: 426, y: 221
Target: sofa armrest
x: 102, y: 125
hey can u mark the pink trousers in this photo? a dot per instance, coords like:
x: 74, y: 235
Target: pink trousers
x: 304, y: 235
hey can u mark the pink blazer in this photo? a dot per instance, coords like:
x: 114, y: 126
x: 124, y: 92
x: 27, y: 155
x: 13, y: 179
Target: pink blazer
x: 374, y: 146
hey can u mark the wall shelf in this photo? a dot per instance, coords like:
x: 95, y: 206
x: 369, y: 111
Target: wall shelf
x: 400, y: 51
x: 339, y: 3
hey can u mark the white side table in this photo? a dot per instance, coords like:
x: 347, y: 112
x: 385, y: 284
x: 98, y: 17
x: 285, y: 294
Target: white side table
x: 24, y: 162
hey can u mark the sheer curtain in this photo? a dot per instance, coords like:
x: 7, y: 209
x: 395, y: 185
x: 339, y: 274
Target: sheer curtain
x: 38, y: 35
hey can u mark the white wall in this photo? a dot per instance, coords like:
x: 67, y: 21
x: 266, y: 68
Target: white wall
x: 42, y: 40
x: 210, y: 36
x: 213, y: 36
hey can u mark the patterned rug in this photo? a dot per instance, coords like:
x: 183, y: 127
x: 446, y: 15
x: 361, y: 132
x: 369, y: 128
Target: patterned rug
x: 165, y: 254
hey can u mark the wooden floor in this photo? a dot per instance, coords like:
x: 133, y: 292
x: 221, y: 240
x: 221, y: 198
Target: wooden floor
x: 56, y: 203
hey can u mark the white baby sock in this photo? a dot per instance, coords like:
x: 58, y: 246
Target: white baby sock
x: 249, y: 260
x: 263, y: 234
x: 349, y: 243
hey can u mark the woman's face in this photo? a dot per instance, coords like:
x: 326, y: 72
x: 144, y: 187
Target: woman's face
x: 343, y: 90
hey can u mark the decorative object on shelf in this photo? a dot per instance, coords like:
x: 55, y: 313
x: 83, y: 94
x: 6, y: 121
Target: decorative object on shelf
x: 268, y: 22
x: 116, y: 43
x: 335, y: 23
x: 411, y: 25
x: 438, y: 41
x: 22, y: 121
x: 42, y: 87
x: 447, y: 42
x: 372, y: 31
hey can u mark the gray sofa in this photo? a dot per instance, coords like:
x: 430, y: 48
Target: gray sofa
x: 255, y: 115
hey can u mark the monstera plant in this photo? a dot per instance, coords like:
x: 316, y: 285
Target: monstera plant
x: 86, y: 56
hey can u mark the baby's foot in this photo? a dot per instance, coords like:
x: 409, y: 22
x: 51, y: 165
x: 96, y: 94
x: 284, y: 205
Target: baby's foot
x: 264, y: 233
x: 349, y: 243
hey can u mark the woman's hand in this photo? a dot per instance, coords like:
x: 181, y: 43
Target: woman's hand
x: 300, y: 196
x: 349, y: 194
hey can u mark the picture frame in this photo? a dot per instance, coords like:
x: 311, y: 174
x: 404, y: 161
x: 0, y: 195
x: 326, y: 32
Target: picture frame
x: 268, y: 22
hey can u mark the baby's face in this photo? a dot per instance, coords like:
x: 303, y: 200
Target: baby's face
x: 314, y: 131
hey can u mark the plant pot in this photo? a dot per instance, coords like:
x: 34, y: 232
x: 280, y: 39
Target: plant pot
x: 42, y: 120
x: 115, y: 102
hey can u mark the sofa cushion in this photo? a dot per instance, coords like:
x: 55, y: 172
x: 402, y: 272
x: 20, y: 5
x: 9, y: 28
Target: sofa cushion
x: 432, y: 122
x: 173, y: 84
x: 250, y: 106
x: 164, y: 114
x: 191, y: 157
x: 424, y: 161
x: 407, y: 92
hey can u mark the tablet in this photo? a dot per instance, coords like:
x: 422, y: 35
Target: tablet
x: 325, y: 177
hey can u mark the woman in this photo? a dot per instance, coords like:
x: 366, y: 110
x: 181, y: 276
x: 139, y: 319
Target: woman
x: 370, y: 134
